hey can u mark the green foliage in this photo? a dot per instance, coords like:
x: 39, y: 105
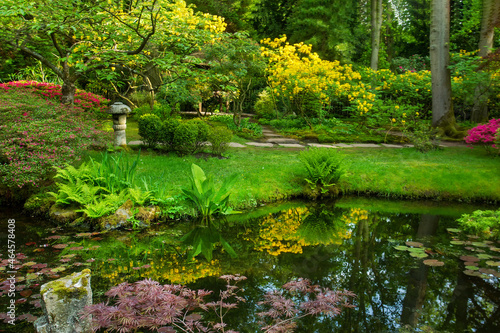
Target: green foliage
x: 265, y: 106
x: 203, y: 195
x: 150, y: 129
x: 185, y: 136
x: 324, y: 166
x: 483, y: 223
x: 219, y: 137
x: 423, y: 137
x: 245, y: 125
x: 99, y: 188
x: 168, y: 130
x: 203, y: 239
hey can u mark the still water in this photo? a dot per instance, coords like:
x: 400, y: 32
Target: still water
x: 401, y: 259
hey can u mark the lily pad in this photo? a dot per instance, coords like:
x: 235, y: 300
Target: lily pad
x: 401, y: 248
x: 479, y: 244
x: 453, y: 230
x: 414, y: 244
x: 469, y: 258
x: 30, y: 263
x: 493, y: 263
x: 457, y: 242
x: 472, y: 268
x: 470, y: 263
x: 433, y: 262
x: 31, y: 276
x: 418, y: 254
x: 484, y: 256
x: 471, y: 273
x: 59, y: 246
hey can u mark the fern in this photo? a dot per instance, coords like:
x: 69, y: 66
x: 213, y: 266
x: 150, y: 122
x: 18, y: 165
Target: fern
x: 139, y: 196
x: 79, y: 192
x: 324, y: 166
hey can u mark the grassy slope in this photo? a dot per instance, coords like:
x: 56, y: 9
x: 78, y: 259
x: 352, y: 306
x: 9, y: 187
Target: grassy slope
x: 272, y: 174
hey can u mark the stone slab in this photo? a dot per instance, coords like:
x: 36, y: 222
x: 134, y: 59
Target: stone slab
x: 259, y: 144
x: 271, y: 135
x: 291, y: 145
x: 236, y: 145
x: 321, y: 145
x: 282, y: 140
x: 135, y: 143
x: 342, y: 145
x: 389, y: 145
x: 365, y: 145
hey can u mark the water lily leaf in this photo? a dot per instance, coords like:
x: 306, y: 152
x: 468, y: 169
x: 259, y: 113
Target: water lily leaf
x: 414, y: 244
x: 433, y: 262
x: 469, y: 258
x: 59, y: 246
x: 418, y: 254
x: 69, y: 255
x: 39, y: 250
x: 416, y: 249
x: 30, y: 263
x: 471, y: 273
x: 479, y: 244
x: 487, y: 271
x: 58, y: 269
x: 453, y: 230
x: 470, y: 263
x: 472, y: 268
x: 401, y: 248
x: 497, y: 274
x: 493, y: 263
x: 84, y: 234
x: 53, y: 237
x: 76, y: 248
x: 65, y: 260
x: 30, y: 243
x: 495, y: 249
x: 456, y: 242
x: 37, y: 266
x: 31, y: 276
x: 484, y: 256
x: 26, y: 293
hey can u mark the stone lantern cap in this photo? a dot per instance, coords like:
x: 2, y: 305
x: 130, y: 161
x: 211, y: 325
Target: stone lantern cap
x: 119, y: 108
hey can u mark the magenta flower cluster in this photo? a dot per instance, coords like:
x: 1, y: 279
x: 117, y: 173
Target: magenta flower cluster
x: 85, y: 100
x: 484, y: 133
x: 37, y: 135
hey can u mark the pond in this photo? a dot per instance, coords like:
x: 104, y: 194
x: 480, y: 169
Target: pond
x: 409, y: 266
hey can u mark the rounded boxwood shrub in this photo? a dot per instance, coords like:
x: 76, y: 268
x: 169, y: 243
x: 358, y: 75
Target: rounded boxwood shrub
x: 219, y: 137
x: 168, y: 130
x: 185, y: 135
x: 150, y: 127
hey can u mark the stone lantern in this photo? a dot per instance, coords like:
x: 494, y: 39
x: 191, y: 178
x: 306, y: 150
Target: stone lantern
x: 119, y: 112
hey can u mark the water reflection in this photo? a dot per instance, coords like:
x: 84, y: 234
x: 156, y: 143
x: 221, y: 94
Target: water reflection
x: 337, y: 247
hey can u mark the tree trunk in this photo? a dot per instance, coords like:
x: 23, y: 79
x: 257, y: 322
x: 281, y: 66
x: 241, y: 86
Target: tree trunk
x: 376, y: 23
x: 490, y: 20
x: 443, y: 116
x: 68, y: 92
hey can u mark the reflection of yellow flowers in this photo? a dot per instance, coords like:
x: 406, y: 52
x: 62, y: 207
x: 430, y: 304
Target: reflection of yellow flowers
x: 278, y: 233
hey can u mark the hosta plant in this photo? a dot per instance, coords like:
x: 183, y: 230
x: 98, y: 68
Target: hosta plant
x: 205, y: 197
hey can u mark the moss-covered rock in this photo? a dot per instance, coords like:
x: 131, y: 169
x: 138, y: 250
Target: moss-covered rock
x: 128, y: 218
x: 62, y: 303
x: 39, y: 204
x: 62, y: 215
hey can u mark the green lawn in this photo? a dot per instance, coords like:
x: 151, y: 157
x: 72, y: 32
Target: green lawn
x: 267, y: 175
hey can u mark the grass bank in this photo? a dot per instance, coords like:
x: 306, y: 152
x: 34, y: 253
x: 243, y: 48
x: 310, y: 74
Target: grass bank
x: 268, y: 175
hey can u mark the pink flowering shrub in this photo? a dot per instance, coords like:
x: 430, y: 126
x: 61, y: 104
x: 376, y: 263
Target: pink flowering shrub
x: 36, y: 135
x: 85, y: 100
x: 484, y: 134
x: 173, y: 308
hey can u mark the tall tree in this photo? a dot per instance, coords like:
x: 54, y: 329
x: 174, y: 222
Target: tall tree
x: 376, y: 25
x: 104, y: 36
x: 489, y: 21
x: 443, y: 116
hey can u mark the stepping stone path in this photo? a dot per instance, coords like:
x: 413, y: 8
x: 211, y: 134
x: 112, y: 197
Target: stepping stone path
x: 274, y: 140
